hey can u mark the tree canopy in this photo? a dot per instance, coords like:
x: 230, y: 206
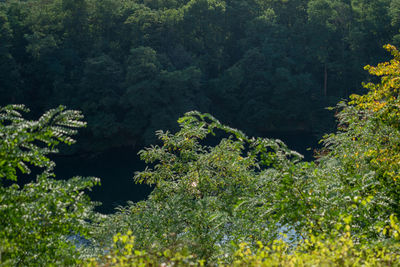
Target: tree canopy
x: 220, y: 197
x: 135, y: 66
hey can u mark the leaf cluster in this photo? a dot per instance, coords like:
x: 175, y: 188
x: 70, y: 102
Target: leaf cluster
x: 38, y: 218
x: 238, y: 200
x: 341, y: 209
x: 25, y: 142
x: 207, y: 198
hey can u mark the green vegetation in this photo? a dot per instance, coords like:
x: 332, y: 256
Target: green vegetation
x: 124, y: 62
x: 220, y: 197
x: 37, y: 218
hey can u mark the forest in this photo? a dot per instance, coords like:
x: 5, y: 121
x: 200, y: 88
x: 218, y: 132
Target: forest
x: 148, y: 74
x: 135, y: 66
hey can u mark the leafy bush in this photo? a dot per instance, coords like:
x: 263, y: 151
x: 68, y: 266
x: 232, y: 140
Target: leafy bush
x: 358, y: 170
x: 37, y: 218
x: 341, y: 209
x: 123, y: 253
x: 338, y: 249
x: 207, y: 197
x: 243, y: 201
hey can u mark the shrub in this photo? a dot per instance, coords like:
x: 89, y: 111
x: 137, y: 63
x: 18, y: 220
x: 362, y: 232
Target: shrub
x: 207, y: 199
x: 37, y: 218
x: 358, y: 169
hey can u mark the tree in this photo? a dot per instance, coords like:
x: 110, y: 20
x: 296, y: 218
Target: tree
x: 330, y: 22
x: 207, y: 198
x: 37, y: 218
x: 9, y: 72
x: 360, y: 162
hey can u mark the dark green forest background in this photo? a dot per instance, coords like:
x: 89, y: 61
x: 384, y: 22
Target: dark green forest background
x: 268, y: 67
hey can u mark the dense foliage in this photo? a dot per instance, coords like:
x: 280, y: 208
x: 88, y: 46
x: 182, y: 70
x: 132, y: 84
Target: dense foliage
x: 38, y: 219
x: 124, y: 63
x: 251, y: 201
x: 220, y: 197
x: 207, y: 198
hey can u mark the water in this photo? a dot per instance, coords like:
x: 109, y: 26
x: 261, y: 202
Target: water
x: 116, y: 168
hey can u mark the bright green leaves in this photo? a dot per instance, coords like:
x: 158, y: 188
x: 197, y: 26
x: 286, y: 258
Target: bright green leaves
x: 381, y: 105
x: 361, y: 161
x: 29, y: 142
x: 207, y: 197
x: 240, y: 190
x: 36, y: 219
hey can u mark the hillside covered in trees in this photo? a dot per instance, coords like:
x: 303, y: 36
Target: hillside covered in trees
x: 241, y: 202
x: 134, y: 66
x: 118, y: 71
